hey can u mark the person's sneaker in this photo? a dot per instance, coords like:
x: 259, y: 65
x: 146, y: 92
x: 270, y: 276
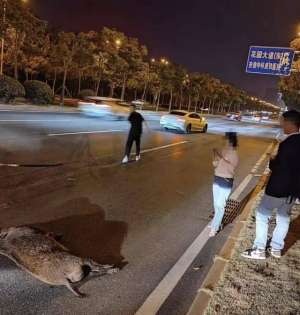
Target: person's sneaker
x: 254, y: 253
x: 125, y: 160
x: 212, y: 232
x: 138, y: 157
x: 275, y: 253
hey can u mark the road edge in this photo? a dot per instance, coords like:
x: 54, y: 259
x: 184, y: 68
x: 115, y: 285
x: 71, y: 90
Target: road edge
x: 221, y: 260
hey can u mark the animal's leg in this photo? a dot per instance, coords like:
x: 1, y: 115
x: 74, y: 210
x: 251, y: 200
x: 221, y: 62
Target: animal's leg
x: 98, y: 268
x: 73, y: 289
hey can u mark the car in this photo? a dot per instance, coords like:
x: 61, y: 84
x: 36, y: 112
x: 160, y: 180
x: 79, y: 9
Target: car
x: 234, y: 116
x: 184, y: 121
x: 104, y: 111
x: 139, y: 103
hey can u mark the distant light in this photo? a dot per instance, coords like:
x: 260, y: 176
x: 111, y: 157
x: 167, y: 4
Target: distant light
x: 153, y: 60
x: 118, y: 42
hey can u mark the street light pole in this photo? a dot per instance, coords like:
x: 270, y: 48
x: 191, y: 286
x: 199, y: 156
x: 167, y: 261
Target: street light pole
x: 2, y: 39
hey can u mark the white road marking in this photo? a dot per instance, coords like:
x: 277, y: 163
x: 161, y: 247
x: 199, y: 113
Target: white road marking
x: 159, y: 295
x: 35, y: 120
x: 82, y: 132
x: 239, y: 190
x: 34, y: 111
x: 166, y: 286
x: 164, y: 147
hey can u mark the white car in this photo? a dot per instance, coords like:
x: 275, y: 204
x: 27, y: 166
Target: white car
x: 184, y: 121
x: 139, y: 103
x: 101, y: 110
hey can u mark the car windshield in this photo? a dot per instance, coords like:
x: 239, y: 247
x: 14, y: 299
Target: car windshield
x: 177, y: 113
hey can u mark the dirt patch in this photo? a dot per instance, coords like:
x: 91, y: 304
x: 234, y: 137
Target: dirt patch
x: 270, y: 287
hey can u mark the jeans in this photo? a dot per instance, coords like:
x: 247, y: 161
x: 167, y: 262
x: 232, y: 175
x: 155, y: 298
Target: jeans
x: 263, y: 215
x: 132, y: 137
x: 220, y: 194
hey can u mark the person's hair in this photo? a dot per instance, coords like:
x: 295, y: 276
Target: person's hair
x: 292, y: 116
x: 232, y: 138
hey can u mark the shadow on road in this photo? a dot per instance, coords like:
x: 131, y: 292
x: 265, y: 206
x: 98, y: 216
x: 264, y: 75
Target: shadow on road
x: 89, y: 234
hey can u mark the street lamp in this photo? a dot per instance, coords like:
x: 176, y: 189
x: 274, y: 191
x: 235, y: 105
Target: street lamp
x: 118, y: 42
x: 164, y: 61
x: 3, y: 33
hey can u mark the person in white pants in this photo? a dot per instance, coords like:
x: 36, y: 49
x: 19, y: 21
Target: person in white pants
x: 225, y: 163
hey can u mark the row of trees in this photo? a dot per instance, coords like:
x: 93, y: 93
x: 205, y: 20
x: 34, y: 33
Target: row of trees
x: 290, y: 86
x: 109, y: 62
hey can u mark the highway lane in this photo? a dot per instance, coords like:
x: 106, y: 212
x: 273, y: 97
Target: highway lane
x: 145, y: 213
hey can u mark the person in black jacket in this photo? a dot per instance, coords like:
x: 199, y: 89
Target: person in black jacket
x: 281, y: 192
x: 136, y: 121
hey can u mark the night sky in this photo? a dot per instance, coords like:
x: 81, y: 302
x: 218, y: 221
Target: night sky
x: 206, y: 36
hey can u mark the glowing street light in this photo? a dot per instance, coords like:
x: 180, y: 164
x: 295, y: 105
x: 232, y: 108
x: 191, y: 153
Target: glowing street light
x: 118, y: 42
x: 153, y: 60
x: 164, y: 61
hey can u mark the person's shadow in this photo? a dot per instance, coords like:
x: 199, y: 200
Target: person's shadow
x: 293, y: 234
x: 89, y: 234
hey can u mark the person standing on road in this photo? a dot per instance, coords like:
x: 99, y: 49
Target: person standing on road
x: 136, y: 120
x: 225, y: 163
x: 281, y: 192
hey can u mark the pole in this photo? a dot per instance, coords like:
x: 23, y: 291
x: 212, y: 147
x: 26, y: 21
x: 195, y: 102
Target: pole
x: 2, y: 39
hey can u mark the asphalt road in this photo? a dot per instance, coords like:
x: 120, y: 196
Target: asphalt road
x: 142, y: 216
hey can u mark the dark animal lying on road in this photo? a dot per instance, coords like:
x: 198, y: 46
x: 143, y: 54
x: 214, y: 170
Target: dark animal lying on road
x: 43, y: 257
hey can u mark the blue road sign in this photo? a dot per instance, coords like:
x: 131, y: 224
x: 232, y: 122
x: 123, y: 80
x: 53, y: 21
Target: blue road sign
x: 270, y: 60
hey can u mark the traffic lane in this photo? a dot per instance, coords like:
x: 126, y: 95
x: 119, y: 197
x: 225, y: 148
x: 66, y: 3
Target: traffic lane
x: 147, y: 212
x: 64, y: 122
x: 221, y: 125
x: 32, y: 134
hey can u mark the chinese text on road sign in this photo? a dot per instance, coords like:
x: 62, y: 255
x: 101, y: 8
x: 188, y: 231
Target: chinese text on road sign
x: 270, y: 60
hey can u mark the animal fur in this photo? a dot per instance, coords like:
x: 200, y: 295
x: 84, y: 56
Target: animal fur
x: 43, y: 257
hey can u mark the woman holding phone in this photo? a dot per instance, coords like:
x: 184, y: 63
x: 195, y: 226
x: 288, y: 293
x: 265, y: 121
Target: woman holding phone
x: 225, y: 162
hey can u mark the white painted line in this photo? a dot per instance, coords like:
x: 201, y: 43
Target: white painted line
x: 82, y: 132
x: 164, y: 147
x: 239, y: 190
x: 169, y: 282
x: 159, y: 295
x: 34, y: 111
x: 35, y: 120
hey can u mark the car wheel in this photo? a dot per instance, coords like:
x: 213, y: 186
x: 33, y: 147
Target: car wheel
x: 205, y: 129
x: 189, y: 128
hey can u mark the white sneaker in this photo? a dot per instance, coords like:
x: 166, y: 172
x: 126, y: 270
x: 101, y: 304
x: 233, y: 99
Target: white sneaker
x: 125, y: 160
x: 138, y: 157
x: 254, y: 253
x: 276, y: 253
x: 212, y: 232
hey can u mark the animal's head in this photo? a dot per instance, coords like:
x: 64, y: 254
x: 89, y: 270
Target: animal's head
x: 16, y: 231
x: 4, y: 232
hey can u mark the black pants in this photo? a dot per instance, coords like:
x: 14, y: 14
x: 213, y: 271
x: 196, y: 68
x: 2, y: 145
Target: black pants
x: 131, y: 139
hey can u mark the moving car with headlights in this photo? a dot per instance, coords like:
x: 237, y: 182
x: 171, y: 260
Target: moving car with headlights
x: 103, y: 111
x: 234, y: 116
x: 139, y: 103
x: 184, y: 121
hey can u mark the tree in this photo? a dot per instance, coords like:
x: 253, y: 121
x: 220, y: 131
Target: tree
x: 83, y: 56
x: 22, y: 29
x: 64, y: 51
x: 290, y: 86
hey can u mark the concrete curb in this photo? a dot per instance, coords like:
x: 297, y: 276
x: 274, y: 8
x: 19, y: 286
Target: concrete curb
x: 215, y: 273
